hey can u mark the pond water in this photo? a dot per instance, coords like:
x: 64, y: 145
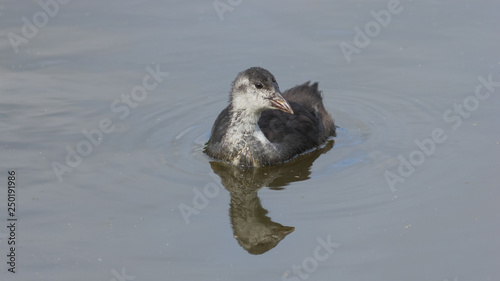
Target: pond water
x: 106, y: 107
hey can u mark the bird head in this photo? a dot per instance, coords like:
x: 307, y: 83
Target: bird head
x: 256, y: 90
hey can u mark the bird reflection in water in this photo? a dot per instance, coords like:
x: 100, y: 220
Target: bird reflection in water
x: 252, y: 228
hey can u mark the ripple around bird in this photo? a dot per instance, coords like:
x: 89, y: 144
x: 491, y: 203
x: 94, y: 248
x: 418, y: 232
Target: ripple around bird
x: 368, y: 130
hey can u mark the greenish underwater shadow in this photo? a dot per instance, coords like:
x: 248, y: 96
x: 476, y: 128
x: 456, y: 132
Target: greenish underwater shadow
x: 252, y: 228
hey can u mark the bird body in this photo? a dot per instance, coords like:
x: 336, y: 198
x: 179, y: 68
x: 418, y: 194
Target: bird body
x: 251, y: 132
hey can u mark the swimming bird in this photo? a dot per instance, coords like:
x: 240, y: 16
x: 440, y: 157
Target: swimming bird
x: 262, y: 127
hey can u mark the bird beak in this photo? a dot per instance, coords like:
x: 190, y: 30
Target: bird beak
x: 279, y: 102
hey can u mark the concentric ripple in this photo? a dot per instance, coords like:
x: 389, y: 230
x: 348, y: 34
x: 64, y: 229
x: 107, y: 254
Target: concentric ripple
x: 369, y: 130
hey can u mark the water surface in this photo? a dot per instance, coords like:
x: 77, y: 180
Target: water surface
x: 145, y: 203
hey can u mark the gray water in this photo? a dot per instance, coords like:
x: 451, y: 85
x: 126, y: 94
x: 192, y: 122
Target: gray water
x: 407, y: 191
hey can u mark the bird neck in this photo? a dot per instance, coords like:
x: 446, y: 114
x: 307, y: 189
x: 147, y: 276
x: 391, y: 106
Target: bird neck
x: 244, y: 122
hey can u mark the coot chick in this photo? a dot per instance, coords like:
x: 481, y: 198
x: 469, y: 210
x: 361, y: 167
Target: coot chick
x: 250, y: 132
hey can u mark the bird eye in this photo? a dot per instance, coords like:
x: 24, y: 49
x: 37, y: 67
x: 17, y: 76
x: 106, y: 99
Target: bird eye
x: 258, y: 86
